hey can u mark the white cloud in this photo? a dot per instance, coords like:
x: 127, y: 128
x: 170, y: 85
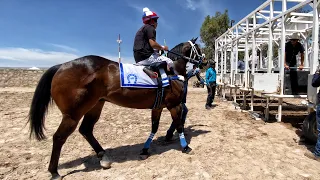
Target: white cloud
x: 27, y: 56
x: 136, y: 7
x: 64, y: 47
x: 191, y: 5
x: 207, y: 7
x: 22, y: 57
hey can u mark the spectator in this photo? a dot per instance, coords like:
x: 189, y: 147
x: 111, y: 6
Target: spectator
x: 211, y: 83
x: 292, y: 48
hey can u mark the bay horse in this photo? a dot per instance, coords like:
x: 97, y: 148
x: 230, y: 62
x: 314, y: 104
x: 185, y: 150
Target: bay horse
x: 80, y: 88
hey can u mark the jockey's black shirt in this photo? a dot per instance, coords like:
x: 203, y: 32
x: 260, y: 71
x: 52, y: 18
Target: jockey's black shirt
x: 142, y: 49
x: 291, y: 52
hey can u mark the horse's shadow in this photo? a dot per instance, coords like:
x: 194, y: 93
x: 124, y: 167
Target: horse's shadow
x: 131, y: 152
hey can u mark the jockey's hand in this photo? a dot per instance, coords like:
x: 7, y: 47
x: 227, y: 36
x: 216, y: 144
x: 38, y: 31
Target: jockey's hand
x: 301, y: 67
x: 165, y: 48
x: 286, y: 66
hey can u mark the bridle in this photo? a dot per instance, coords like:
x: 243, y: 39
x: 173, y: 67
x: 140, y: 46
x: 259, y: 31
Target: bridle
x: 195, y: 54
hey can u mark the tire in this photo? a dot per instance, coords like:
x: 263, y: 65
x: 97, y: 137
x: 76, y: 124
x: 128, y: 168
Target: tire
x: 310, y: 127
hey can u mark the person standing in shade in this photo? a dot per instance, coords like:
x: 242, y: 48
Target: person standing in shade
x: 292, y: 48
x: 211, y: 76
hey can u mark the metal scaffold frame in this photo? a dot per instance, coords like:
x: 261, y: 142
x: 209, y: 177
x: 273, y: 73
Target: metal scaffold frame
x: 266, y: 25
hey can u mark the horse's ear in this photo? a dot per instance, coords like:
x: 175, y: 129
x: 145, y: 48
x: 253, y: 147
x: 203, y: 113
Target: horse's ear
x: 194, y: 40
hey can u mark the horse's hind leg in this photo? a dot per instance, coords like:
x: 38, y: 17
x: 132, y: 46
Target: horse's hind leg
x: 67, y: 126
x: 176, y: 117
x: 155, y: 118
x: 86, y: 129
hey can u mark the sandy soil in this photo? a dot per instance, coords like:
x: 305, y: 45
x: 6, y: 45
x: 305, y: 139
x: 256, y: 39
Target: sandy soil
x: 227, y: 144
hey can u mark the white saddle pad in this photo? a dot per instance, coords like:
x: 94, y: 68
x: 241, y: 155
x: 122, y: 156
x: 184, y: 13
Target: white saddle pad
x: 134, y: 76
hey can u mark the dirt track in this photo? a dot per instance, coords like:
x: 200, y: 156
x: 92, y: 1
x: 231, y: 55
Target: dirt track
x: 228, y: 144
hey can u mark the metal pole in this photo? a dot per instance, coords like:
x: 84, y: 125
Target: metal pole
x: 119, y: 42
x: 232, y: 62
x: 221, y: 65
x: 225, y: 57
x: 260, y: 59
x: 270, y: 47
x: 315, y: 38
x: 237, y: 53
x: 246, y: 56
x: 254, y: 50
x: 306, y: 52
x: 283, y: 44
x: 282, y: 59
x: 216, y: 56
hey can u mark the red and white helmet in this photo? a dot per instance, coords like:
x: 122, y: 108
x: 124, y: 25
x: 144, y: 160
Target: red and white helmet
x: 147, y: 15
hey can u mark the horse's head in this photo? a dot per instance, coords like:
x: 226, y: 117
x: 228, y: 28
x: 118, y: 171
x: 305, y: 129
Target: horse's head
x: 189, y: 49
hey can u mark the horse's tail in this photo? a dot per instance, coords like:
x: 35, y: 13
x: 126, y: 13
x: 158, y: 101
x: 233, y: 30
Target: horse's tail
x: 40, y: 102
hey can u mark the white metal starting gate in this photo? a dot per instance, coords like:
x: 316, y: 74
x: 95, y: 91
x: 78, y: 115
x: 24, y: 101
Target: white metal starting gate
x: 266, y: 25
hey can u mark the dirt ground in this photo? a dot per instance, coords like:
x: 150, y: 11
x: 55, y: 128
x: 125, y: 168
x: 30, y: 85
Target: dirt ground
x: 227, y: 144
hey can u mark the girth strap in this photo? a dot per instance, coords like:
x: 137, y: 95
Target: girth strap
x: 160, y: 90
x: 159, y: 96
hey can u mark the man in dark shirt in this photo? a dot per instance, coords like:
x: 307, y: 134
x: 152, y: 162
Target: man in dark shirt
x: 145, y: 42
x: 292, y: 48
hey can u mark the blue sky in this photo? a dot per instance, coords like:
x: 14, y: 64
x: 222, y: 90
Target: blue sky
x: 43, y: 33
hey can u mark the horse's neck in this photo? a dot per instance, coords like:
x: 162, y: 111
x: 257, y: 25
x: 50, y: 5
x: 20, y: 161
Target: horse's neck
x: 179, y: 64
x: 180, y: 67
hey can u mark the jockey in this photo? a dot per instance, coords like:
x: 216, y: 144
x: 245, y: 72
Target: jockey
x: 146, y: 48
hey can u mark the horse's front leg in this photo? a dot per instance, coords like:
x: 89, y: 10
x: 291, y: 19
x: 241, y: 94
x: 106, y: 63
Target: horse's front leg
x: 172, y: 127
x: 155, y: 118
x: 176, y: 117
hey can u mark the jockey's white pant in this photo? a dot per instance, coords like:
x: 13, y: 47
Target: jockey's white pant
x: 155, y: 57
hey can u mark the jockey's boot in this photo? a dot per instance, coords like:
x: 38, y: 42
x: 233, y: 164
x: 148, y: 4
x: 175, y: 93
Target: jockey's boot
x: 150, y: 73
x: 171, y: 71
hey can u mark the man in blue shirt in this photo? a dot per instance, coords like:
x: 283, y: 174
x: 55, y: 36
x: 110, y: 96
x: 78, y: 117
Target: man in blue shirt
x: 211, y: 83
x: 241, y: 65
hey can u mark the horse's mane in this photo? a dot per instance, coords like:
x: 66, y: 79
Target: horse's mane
x: 176, y: 49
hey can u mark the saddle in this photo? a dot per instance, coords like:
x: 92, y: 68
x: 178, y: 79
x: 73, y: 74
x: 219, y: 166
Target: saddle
x: 159, y: 71
x: 154, y: 75
x: 153, y: 70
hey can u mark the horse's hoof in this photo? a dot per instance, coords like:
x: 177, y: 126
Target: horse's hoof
x: 144, y: 154
x: 143, y: 157
x: 170, y: 139
x: 187, y: 150
x: 105, y: 163
x: 56, y: 177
